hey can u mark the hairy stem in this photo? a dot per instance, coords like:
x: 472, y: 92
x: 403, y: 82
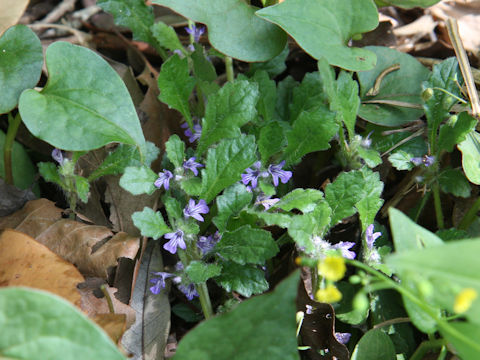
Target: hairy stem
x: 438, y: 206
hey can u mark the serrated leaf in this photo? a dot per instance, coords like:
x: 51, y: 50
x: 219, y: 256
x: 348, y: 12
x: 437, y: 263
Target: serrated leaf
x: 308, y: 96
x: 173, y: 207
x: 401, y: 160
x: 271, y: 140
x: 285, y: 92
x: 225, y: 163
x: 368, y: 207
x: 200, y: 272
x: 453, y: 135
x: 274, y: 66
x: 49, y: 172
x: 247, y: 245
x: 374, y: 345
x: 82, y: 187
x: 310, y: 22
x: 268, y: 95
x: 175, y: 149
x: 453, y: 181
x: 233, y: 28
x: 301, y: 229
x: 371, y: 157
x: 21, y: 61
x: 470, y: 148
x: 176, y: 85
x: 230, y: 203
x: 282, y: 220
x: 304, y: 200
x: 76, y: 102
x: 202, y: 67
x: 192, y: 186
x: 228, y: 110
x: 243, y: 279
x: 150, y: 223
x: 166, y: 36
x: 138, y: 180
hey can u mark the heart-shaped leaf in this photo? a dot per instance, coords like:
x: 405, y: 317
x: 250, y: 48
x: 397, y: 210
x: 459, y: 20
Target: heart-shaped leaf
x: 323, y: 28
x: 84, y: 105
x: 21, y: 61
x: 233, y: 28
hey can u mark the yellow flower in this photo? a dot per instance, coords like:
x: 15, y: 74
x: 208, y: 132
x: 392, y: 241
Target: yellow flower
x: 464, y: 300
x: 332, y: 268
x: 328, y: 295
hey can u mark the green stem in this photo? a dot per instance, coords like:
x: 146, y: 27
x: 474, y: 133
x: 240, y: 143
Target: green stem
x: 205, y: 300
x: 470, y: 216
x: 229, y: 69
x: 438, y: 206
x: 13, y: 124
x: 427, y: 346
x: 423, y: 202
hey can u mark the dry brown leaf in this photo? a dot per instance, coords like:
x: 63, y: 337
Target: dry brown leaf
x: 93, y: 249
x: 25, y: 262
x: 10, y: 12
x: 112, y: 324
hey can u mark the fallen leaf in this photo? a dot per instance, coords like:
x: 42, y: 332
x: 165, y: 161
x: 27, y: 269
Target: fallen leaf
x: 12, y: 198
x: 10, y: 12
x: 25, y: 262
x: 112, y: 324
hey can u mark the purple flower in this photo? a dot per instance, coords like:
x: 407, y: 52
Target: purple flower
x: 163, y: 179
x: 195, y: 31
x: 277, y: 172
x: 207, y: 243
x: 342, y: 338
x: 370, y: 236
x: 192, y: 165
x: 197, y: 131
x: 426, y: 160
x: 252, y: 175
x: 57, y: 155
x: 176, y: 239
x: 194, y: 210
x: 367, y: 142
x: 266, y: 201
x: 189, y: 290
x: 159, y: 282
x: 308, y: 309
x: 344, y: 247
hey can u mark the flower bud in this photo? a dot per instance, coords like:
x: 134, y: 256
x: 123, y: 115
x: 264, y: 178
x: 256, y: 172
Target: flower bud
x: 427, y: 94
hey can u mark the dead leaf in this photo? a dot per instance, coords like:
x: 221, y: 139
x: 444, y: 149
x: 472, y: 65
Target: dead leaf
x: 10, y: 12
x: 112, y: 324
x: 25, y: 262
x: 12, y: 198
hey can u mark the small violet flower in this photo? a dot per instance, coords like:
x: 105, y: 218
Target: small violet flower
x: 277, y: 173
x: 57, y: 155
x: 370, y: 236
x: 159, y: 282
x: 266, y: 201
x: 196, y: 32
x: 343, y: 338
x: 252, y: 175
x: 197, y: 132
x: 194, y: 210
x: 367, y: 142
x: 189, y: 290
x: 192, y: 165
x: 426, y: 160
x: 176, y: 240
x: 163, y: 179
x: 207, y: 243
x: 344, y: 246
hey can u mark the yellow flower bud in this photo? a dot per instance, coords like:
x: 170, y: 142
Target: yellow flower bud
x: 464, y: 300
x: 332, y: 268
x: 328, y: 295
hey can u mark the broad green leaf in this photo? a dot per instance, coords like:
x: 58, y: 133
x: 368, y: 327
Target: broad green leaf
x: 173, y: 207
x: 401, y: 160
x: 202, y: 67
x: 368, y: 206
x: 150, y: 223
x: 304, y: 200
x: 274, y: 66
x: 247, y: 245
x: 416, y: 146
x: 402, y: 85
x: 308, y: 96
x: 49, y: 172
x: 451, y: 234
x: 268, y: 95
x: 285, y: 91
x: 243, y: 279
x: 345, y: 310
x: 228, y: 110
x: 199, y: 272
x: 166, y: 36
x: 301, y: 229
x: 464, y: 339
x: 225, y: 163
x: 45, y: 325
x: 311, y: 131
x: 239, y: 335
x: 282, y: 220
x: 271, y: 140
x: 77, y: 109
x: 230, y: 204
x: 134, y: 14
x: 453, y: 181
x: 175, y: 149
x: 192, y: 186
x: 233, y: 28
x: 21, y: 61
x: 323, y: 28
x: 374, y: 345
x: 453, y: 134
x: 176, y: 85
x: 138, y: 180
x: 406, y: 4
x: 470, y: 148
x: 82, y: 187
x: 371, y: 157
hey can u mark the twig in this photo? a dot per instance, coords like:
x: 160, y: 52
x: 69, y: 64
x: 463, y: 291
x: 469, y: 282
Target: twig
x: 109, y: 299
x: 60, y: 10
x: 82, y: 37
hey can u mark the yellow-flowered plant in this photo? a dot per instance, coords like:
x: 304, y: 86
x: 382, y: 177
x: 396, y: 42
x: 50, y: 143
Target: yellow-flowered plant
x: 464, y: 300
x: 329, y: 294
x: 332, y: 268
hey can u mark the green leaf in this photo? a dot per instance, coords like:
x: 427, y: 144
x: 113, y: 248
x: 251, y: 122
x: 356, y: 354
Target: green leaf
x: 371, y: 157
x: 49, y: 172
x: 150, y: 223
x: 202, y: 67
x: 173, y: 207
x: 42, y: 323
x: 308, y: 96
x: 402, y: 85
x: 401, y: 160
x: 200, y: 272
x: 453, y: 134
x: 175, y: 149
x: 228, y: 110
x: 134, y: 14
x: 310, y: 22
x: 268, y: 95
x: 466, y: 340
x: 239, y: 335
x: 247, y: 245
x: 243, y: 279
x: 225, y: 163
x: 233, y: 28
x: 138, y: 180
x: 271, y: 140
x: 349, y: 189
x: 192, y: 186
x: 176, y: 85
x: 21, y: 61
x: 407, y: 4
x: 274, y: 66
x: 470, y: 148
x: 304, y: 200
x: 374, y: 345
x: 368, y: 206
x: 282, y: 220
x: 166, y: 36
x: 82, y: 187
x: 301, y: 229
x: 77, y: 109
x: 453, y: 181
x: 311, y: 131
x: 230, y: 204
x: 285, y: 91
